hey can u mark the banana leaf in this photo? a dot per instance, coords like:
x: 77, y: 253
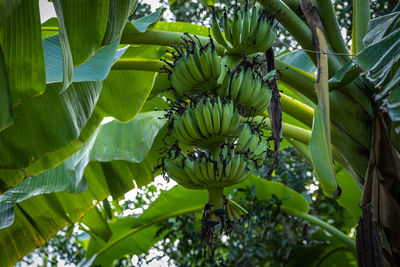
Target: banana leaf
x: 108, y: 165
x: 137, y: 235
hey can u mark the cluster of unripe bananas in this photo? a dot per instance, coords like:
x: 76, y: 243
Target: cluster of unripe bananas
x: 246, y: 30
x: 196, y: 68
x: 225, y: 165
x: 217, y: 144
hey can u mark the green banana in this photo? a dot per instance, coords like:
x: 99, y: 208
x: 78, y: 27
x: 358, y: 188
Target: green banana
x: 227, y: 172
x: 246, y: 87
x: 253, y: 142
x: 183, y: 73
x: 179, y: 175
x: 220, y: 169
x: 208, y: 118
x: 235, y: 166
x: 243, y: 138
x: 205, y: 67
x: 197, y: 59
x: 229, y: 214
x: 204, y: 170
x: 190, y: 170
x: 216, y: 117
x: 241, y: 170
x: 198, y: 173
x: 246, y: 26
x: 193, y: 69
x: 216, y: 65
x: 262, y: 100
x: 186, y: 72
x: 217, y: 32
x: 211, y: 172
x: 200, y: 120
x: 237, y: 80
x: 188, y: 123
x: 226, y: 117
x: 179, y: 84
x: 234, y: 122
x: 229, y: 30
x: 237, y: 28
x: 183, y: 136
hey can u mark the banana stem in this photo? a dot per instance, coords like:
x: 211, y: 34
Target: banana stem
x: 216, y: 198
x: 216, y: 201
x: 288, y: 130
x: 163, y: 38
x: 331, y: 27
x: 290, y: 77
x: 138, y: 64
x: 293, y: 23
x: 361, y: 17
x: 326, y: 226
x: 297, y: 110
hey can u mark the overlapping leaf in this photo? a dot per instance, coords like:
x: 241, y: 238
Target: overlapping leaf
x: 137, y: 235
x: 114, y: 144
x: 20, y: 40
x: 6, y: 8
x: 6, y: 112
x: 83, y: 24
x: 147, y: 22
x: 119, y: 11
x: 129, y: 96
x: 54, y: 125
x: 381, y: 59
x: 40, y: 217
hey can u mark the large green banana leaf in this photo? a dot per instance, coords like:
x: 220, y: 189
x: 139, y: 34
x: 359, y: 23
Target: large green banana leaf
x: 6, y: 113
x: 115, y: 156
x: 6, y: 8
x: 137, y: 235
x: 380, y: 59
x: 71, y: 116
x: 59, y: 117
x: 125, y: 91
x: 20, y: 40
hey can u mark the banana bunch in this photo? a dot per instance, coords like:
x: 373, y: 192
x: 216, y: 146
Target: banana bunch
x: 206, y: 116
x: 246, y: 87
x: 246, y: 31
x: 224, y: 168
x: 196, y: 68
x: 206, y: 123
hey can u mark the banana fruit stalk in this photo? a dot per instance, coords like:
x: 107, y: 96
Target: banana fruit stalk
x: 246, y: 31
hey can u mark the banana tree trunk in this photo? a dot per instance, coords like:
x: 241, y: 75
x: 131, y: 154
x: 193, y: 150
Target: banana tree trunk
x: 381, y: 193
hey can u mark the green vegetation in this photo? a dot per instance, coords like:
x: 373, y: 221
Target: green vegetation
x: 59, y: 164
